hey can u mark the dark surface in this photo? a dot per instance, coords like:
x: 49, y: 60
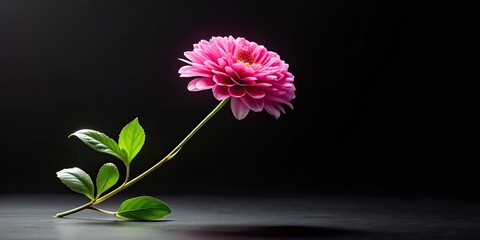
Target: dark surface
x: 242, y: 217
x: 384, y: 102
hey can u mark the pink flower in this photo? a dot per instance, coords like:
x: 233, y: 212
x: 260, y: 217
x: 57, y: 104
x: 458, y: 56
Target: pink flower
x: 253, y: 77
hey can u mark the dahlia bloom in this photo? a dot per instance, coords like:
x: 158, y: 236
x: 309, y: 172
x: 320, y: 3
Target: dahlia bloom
x: 254, y: 78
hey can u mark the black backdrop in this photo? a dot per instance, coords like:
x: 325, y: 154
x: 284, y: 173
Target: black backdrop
x: 383, y: 98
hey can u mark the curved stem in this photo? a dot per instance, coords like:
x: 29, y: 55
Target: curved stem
x: 127, y: 174
x: 101, y: 210
x: 154, y: 167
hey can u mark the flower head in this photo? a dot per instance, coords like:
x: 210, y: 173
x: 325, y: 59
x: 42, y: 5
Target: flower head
x: 253, y: 77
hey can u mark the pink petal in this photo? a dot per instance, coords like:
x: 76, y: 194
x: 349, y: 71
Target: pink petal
x: 199, y: 84
x: 193, y: 57
x: 265, y: 76
x: 248, y: 79
x: 231, y: 72
x: 260, y: 54
x: 237, y: 91
x: 223, y: 80
x: 186, y: 61
x: 222, y: 45
x: 288, y: 85
x: 216, y: 51
x: 211, y: 64
x: 271, y: 77
x: 190, y: 71
x: 205, y: 83
x: 236, y: 78
x: 239, y: 110
x: 242, y: 70
x: 255, y: 105
x: 246, y: 82
x: 204, y: 54
x: 220, y: 92
x: 255, y: 92
x: 290, y: 96
x: 283, y: 100
x: 220, y: 73
x: 263, y: 85
x: 279, y: 106
x: 222, y: 62
x: 272, y: 110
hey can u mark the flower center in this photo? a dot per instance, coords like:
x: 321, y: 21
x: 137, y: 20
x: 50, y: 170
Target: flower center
x: 246, y: 57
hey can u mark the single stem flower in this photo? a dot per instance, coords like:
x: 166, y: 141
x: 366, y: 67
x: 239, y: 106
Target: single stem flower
x: 236, y: 70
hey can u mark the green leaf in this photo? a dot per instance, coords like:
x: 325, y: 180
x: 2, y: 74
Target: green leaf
x: 101, y: 143
x: 132, y: 138
x: 107, y: 177
x: 77, y: 180
x: 143, y: 208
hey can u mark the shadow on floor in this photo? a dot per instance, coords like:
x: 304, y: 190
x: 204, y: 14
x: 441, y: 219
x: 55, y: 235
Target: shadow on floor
x: 276, y: 231
x: 112, y: 222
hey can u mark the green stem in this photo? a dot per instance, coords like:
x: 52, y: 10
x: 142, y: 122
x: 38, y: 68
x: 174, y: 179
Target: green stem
x: 127, y: 174
x: 63, y: 214
x: 101, y: 210
x: 200, y: 125
x: 154, y: 167
x: 129, y: 183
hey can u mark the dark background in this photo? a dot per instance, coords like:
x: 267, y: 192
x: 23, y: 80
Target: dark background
x: 384, y: 102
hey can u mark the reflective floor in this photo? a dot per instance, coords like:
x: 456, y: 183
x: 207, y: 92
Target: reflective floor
x: 240, y: 217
